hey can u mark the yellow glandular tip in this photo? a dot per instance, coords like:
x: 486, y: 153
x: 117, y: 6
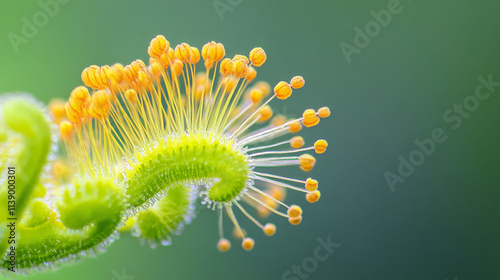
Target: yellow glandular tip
x: 131, y: 96
x: 56, y: 107
x: 78, y: 97
x: 134, y: 70
x: 240, y: 68
x: 297, y: 142
x: 278, y: 193
x: 177, y: 68
x: 66, y: 129
x: 155, y: 68
x: 309, y: 118
x: 158, y: 46
x: 311, y: 184
x: 258, y: 57
x: 324, y: 112
x: 294, y: 127
x: 248, y: 244
x: 251, y: 74
x: 144, y: 80
x: 223, y: 245
x: 313, y: 196
x: 167, y: 58
x: 297, y: 82
x: 269, y: 229
x: 209, y: 64
x: 91, y: 77
x: 213, y: 51
x: 76, y: 108
x: 116, y: 73
x: 294, y: 211
x: 256, y: 96
x: 73, y: 115
x: 307, y: 162
x: 295, y: 221
x: 198, y: 92
x: 320, y: 146
x: 228, y: 83
x: 183, y: 52
x: 226, y: 67
x: 100, y: 98
x: 196, y: 55
x: 283, y: 90
x: 265, y: 114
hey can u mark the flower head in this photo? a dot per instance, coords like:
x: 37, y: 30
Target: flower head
x: 167, y: 124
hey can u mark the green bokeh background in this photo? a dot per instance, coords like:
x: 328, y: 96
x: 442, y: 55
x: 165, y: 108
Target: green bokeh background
x: 441, y: 223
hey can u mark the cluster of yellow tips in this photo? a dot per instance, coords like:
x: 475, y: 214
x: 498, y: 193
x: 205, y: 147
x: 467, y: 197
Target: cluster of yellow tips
x: 130, y: 106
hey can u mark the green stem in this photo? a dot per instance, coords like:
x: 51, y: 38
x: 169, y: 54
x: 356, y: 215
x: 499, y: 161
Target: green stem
x: 23, y: 117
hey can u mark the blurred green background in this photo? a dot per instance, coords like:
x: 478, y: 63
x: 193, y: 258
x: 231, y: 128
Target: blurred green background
x: 441, y: 223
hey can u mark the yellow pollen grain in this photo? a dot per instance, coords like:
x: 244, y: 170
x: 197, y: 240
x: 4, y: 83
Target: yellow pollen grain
x: 297, y: 82
x: 307, y: 162
x: 240, y: 68
x: 297, y: 142
x: 178, y: 67
x: 56, y: 107
x: 320, y: 146
x: 228, y: 84
x: 256, y: 96
x: 251, y: 74
x: 167, y: 58
x: 265, y: 114
x: 257, y: 57
x: 183, y: 52
x: 294, y: 211
x: 66, y: 129
x: 310, y: 118
x: 295, y: 221
x: 155, y: 68
x: 158, y: 46
x: 223, y: 245
x: 283, y: 90
x: 311, y: 184
x: 248, y: 244
x: 196, y: 55
x: 313, y: 197
x: 269, y: 229
x: 294, y: 127
x: 213, y: 51
x: 131, y: 96
x: 324, y: 112
x: 116, y: 73
x: 226, y: 67
x: 72, y: 115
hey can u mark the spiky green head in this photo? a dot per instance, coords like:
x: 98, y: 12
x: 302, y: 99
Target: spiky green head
x: 205, y: 158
